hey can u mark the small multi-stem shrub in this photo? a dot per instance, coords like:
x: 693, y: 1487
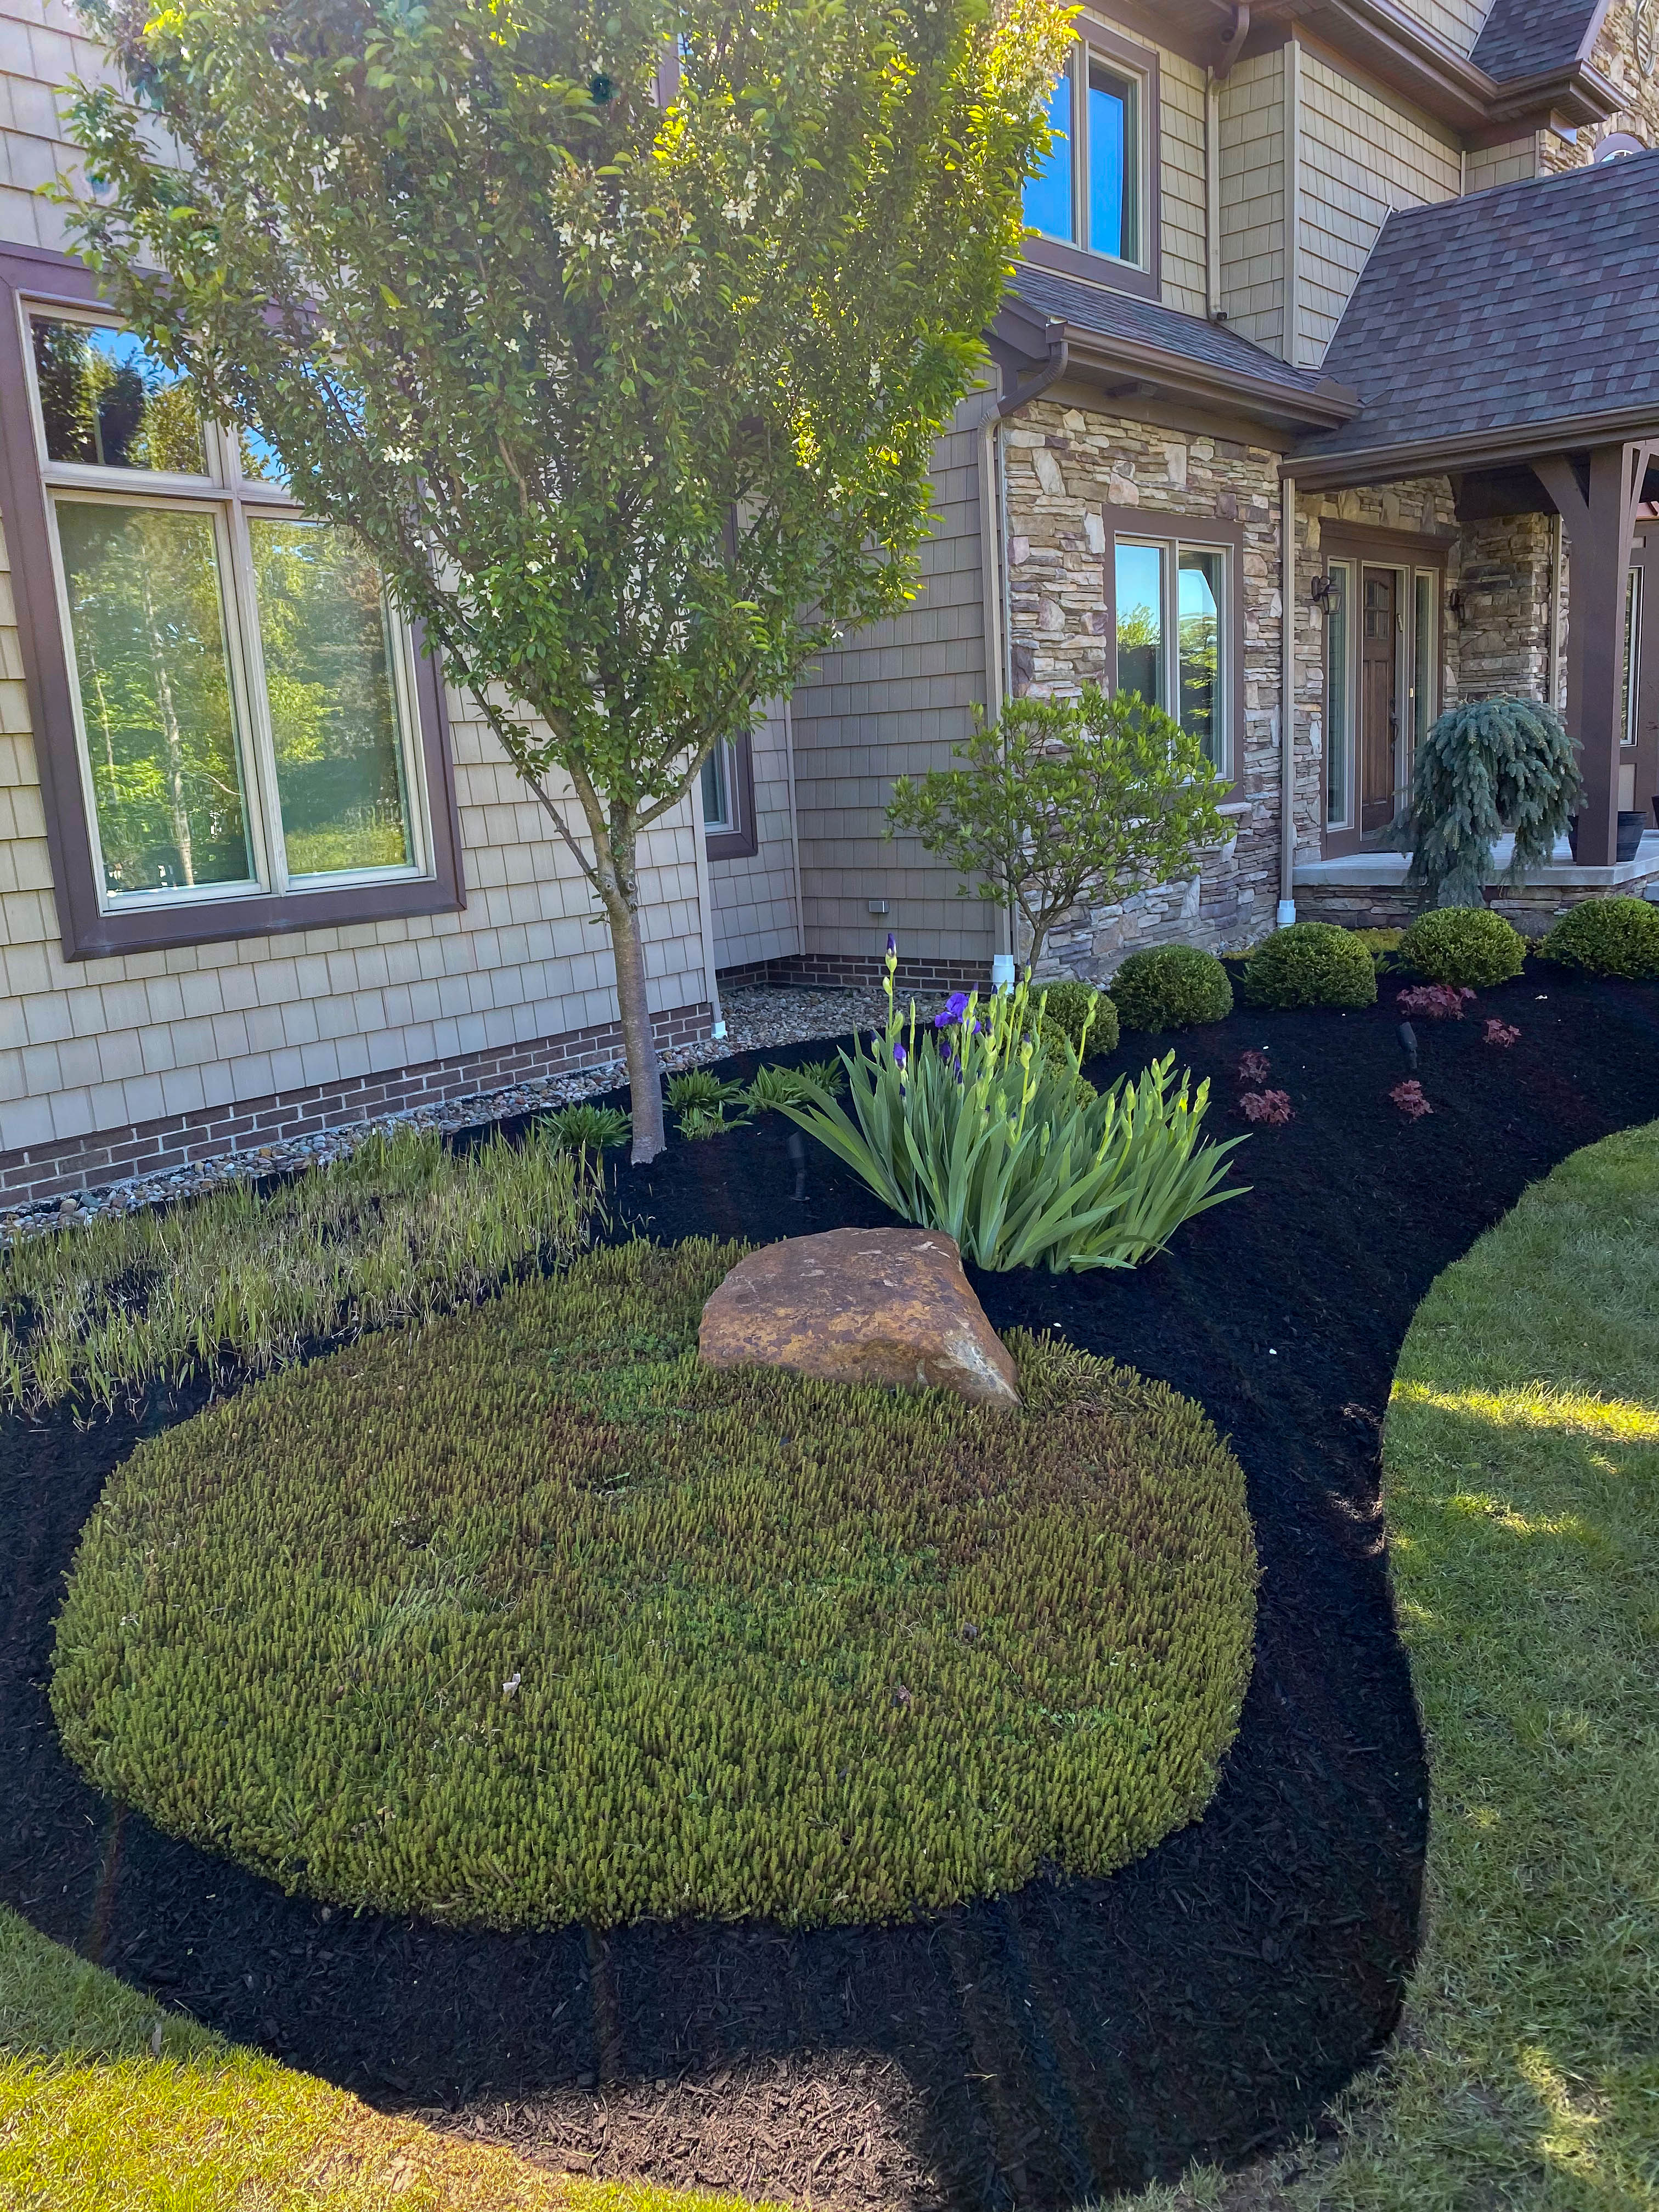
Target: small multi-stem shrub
x: 1171, y: 987
x: 1608, y: 936
x: 1408, y: 1097
x: 585, y: 1125
x: 1501, y: 1033
x: 1311, y: 963
x: 1272, y: 1107
x: 402, y: 1228
x: 529, y: 1582
x: 977, y: 1126
x: 1438, y: 1002
x: 776, y: 1086
x: 1084, y: 1016
x: 700, y: 1099
x: 1464, y: 945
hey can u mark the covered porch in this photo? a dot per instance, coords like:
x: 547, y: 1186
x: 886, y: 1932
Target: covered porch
x: 1504, y: 347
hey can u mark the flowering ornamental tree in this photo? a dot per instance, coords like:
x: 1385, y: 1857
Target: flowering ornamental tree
x: 1063, y: 801
x: 621, y: 334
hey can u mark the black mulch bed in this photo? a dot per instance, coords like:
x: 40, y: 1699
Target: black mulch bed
x: 1047, y: 2046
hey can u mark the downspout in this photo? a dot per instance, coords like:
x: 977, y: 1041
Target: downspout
x: 993, y: 591
x: 1213, y: 194
x: 705, y: 905
x: 1293, y: 99
x: 1287, y: 710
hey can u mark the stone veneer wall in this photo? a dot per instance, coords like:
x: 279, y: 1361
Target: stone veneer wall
x: 1507, y: 582
x: 1062, y: 465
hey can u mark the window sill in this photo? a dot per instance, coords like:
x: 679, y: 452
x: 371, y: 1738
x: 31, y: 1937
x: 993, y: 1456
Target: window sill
x: 215, y: 921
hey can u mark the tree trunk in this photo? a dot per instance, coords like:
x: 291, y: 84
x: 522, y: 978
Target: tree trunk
x: 619, y: 890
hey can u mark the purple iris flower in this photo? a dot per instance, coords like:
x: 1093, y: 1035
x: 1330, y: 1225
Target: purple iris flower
x: 955, y: 1007
x: 898, y: 1055
x: 892, y: 942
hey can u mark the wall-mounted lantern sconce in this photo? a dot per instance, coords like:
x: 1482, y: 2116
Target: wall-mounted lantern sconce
x: 1327, y: 593
x: 1455, y: 604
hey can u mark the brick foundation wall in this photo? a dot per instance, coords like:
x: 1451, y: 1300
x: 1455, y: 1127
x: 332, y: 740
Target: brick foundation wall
x: 174, y: 1140
x: 855, y: 971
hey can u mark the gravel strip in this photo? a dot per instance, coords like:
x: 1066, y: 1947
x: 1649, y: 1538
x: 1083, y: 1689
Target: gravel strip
x: 756, y: 1020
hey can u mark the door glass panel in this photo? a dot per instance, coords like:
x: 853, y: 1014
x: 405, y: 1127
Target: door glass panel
x: 1049, y: 197
x: 1425, y: 689
x: 1199, y: 595
x: 1141, y: 658
x: 1338, y: 709
x: 1111, y: 148
x: 107, y: 401
x: 1632, y: 656
x: 324, y: 634
x: 147, y: 622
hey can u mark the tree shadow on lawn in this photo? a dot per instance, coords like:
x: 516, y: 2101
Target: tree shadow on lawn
x: 1034, y: 2049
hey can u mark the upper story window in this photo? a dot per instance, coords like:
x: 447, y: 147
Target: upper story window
x: 1092, y: 189
x: 244, y: 696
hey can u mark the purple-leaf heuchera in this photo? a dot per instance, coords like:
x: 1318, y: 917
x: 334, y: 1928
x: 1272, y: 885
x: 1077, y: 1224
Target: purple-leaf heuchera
x: 1272, y: 1108
x: 1408, y: 1097
x: 1253, y: 1067
x: 1501, y: 1033
x: 1441, y: 1002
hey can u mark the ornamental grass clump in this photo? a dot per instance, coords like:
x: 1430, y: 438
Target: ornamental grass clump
x: 982, y: 1126
x: 404, y: 1227
x: 526, y: 1617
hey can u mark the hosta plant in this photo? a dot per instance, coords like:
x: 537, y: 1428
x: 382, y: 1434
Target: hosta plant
x: 976, y: 1126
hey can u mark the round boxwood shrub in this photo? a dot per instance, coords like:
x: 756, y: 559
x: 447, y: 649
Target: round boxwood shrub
x: 1465, y: 946
x: 1608, y: 936
x: 525, y: 1618
x: 1067, y: 1005
x: 1311, y: 963
x: 1171, y: 987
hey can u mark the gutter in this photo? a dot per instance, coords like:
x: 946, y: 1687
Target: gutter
x: 1517, y: 442
x: 1058, y: 335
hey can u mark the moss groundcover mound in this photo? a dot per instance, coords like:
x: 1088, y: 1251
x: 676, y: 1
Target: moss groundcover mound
x: 523, y: 1618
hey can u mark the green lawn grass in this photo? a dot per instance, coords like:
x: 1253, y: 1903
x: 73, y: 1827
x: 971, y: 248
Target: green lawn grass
x: 109, y: 2105
x: 1521, y: 1490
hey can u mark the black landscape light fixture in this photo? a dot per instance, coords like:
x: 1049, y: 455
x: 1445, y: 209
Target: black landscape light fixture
x: 1407, y: 1037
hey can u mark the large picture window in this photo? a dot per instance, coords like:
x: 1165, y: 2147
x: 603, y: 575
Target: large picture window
x: 1173, y: 630
x: 244, y: 698
x: 235, y: 733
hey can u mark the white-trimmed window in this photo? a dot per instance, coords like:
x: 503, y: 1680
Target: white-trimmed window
x: 1093, y: 189
x: 244, y: 697
x: 1174, y: 633
x: 720, y: 775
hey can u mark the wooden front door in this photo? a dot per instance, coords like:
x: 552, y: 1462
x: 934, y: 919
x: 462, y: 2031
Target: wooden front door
x: 1379, y: 696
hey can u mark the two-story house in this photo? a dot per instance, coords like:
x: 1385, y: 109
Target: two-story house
x: 1324, y: 395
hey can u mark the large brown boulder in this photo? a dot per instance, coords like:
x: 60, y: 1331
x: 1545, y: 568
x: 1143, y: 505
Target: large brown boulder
x: 860, y: 1305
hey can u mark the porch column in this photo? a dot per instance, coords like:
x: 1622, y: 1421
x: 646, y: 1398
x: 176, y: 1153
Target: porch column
x: 1598, y: 507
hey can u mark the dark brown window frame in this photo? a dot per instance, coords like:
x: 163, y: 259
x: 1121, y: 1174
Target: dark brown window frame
x: 88, y: 932
x: 742, y: 842
x: 1163, y: 525
x: 1068, y: 260
x: 1362, y: 543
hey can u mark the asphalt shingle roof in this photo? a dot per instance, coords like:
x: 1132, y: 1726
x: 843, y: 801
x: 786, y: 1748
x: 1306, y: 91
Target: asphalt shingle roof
x: 1145, y: 322
x: 1517, y: 307
x: 1523, y: 37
